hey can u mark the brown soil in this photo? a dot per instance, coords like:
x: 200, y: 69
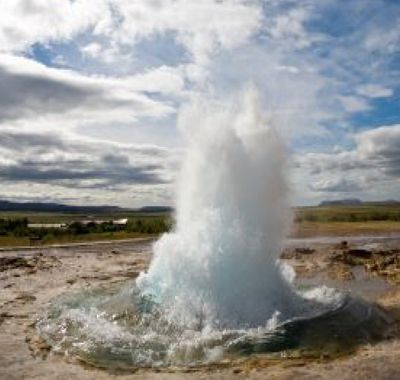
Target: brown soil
x: 29, y: 279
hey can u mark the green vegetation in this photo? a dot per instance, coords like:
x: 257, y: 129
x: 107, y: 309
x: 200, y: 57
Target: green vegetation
x: 309, y: 221
x: 63, y: 217
x: 15, y: 230
x: 362, y: 213
x: 345, y: 220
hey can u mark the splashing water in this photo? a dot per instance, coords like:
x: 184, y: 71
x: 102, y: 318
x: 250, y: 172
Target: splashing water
x: 219, y: 265
x: 214, y: 287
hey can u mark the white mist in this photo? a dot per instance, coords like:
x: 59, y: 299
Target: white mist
x: 218, y: 268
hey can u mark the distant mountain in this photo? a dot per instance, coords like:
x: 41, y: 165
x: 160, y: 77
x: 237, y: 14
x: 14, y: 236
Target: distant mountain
x: 56, y: 207
x: 358, y: 202
x: 155, y: 209
x: 342, y: 202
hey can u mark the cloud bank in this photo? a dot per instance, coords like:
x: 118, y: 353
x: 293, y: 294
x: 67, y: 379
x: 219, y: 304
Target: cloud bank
x: 372, y: 167
x: 92, y: 84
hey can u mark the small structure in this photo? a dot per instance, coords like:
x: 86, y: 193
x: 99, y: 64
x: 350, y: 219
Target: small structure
x: 121, y: 222
x: 118, y: 222
x: 47, y: 225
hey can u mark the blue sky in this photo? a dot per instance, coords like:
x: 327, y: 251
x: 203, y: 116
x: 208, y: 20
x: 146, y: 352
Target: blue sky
x: 93, y: 92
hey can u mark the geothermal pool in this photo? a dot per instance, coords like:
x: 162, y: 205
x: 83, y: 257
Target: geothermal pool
x: 121, y: 329
x: 215, y: 288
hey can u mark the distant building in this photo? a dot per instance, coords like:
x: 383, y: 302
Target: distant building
x: 90, y: 221
x: 47, y: 225
x: 118, y: 222
x: 121, y: 222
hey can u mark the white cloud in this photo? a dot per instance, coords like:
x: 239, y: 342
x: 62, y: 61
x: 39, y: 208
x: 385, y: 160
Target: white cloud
x: 92, y: 50
x: 289, y: 69
x: 24, y: 22
x: 289, y: 26
x: 336, y: 185
x: 49, y: 100
x: 313, y: 74
x: 384, y: 38
x: 371, y: 168
x: 81, y: 168
x: 374, y: 91
x: 36, y: 91
x: 201, y: 27
x: 163, y: 79
x: 354, y: 103
x: 382, y: 147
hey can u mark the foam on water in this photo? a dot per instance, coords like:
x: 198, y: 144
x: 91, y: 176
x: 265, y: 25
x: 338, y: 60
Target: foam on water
x: 122, y: 329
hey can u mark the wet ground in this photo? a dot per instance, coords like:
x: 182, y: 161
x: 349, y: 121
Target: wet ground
x: 30, y: 279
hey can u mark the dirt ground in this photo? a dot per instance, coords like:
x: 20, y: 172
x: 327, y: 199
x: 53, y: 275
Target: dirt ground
x: 30, y: 278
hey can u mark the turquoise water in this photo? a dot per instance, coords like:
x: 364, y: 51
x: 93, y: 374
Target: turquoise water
x: 118, y: 328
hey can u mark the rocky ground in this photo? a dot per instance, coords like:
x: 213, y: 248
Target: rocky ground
x: 29, y: 279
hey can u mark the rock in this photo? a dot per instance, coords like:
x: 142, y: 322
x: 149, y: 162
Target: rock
x: 340, y: 272
x: 335, y: 256
x: 353, y: 257
x: 32, y: 264
x: 38, y: 346
x: 371, y: 267
x: 13, y: 262
x: 360, y: 253
x: 131, y: 273
x: 388, y: 252
x: 103, y: 277
x: 25, y: 296
x: 3, y: 317
x: 304, y: 250
x: 287, y: 254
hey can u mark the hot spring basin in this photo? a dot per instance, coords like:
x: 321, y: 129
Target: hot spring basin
x: 117, y: 328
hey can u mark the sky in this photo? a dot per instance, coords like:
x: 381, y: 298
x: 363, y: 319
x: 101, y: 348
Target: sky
x: 91, y: 91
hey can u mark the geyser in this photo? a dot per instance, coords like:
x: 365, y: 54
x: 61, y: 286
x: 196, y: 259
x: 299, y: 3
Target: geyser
x: 214, y: 287
x: 219, y: 265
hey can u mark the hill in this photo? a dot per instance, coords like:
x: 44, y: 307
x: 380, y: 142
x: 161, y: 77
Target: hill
x: 155, y: 209
x: 342, y: 202
x: 358, y: 202
x: 56, y: 207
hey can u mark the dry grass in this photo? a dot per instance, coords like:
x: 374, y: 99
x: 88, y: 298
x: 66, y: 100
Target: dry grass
x: 309, y: 229
x: 341, y: 213
x: 12, y: 241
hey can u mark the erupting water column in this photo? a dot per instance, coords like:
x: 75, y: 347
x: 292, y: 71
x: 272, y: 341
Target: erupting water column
x: 218, y: 268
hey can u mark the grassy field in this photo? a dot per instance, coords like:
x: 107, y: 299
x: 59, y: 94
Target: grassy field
x: 310, y: 229
x: 346, y: 220
x: 14, y: 229
x: 362, y: 213
x: 308, y: 221
x: 16, y: 241
x: 58, y: 217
